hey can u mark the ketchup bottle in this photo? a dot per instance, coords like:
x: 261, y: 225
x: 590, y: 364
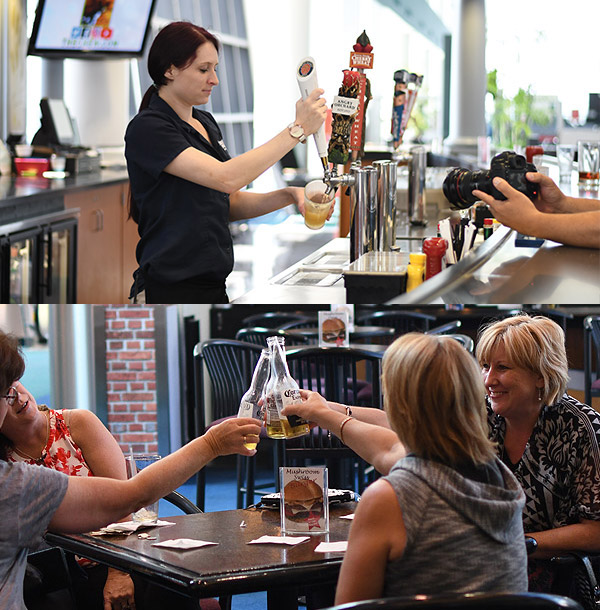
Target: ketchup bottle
x: 435, y: 248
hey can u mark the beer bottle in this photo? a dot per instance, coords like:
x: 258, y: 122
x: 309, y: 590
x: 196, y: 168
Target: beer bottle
x: 274, y: 426
x: 249, y: 406
x: 285, y: 390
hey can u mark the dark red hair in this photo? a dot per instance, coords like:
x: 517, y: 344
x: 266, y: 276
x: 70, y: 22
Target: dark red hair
x: 175, y: 45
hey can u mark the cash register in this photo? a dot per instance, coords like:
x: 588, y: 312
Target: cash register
x: 58, y: 135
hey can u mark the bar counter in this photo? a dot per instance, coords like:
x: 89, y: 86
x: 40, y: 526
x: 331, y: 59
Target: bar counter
x: 27, y: 197
x: 497, y: 271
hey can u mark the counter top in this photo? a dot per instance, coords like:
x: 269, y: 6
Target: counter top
x: 12, y: 187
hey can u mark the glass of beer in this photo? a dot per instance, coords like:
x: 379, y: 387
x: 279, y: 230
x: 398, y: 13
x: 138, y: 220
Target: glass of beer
x: 588, y: 161
x: 317, y: 203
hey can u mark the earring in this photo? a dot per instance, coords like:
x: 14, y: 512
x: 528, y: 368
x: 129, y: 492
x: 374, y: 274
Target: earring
x: 540, y: 394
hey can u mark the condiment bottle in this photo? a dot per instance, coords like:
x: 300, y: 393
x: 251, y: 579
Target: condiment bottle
x: 488, y: 227
x: 415, y: 270
x: 284, y: 391
x: 249, y: 405
x: 434, y: 248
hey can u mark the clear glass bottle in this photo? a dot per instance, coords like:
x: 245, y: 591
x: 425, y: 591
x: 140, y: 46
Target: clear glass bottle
x: 249, y: 405
x: 273, y: 420
x: 285, y: 390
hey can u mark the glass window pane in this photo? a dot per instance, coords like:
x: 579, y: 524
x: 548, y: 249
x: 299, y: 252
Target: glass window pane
x: 164, y: 9
x: 246, y: 78
x: 238, y: 16
x: 229, y: 73
x: 216, y: 98
x: 224, y: 19
x: 206, y: 13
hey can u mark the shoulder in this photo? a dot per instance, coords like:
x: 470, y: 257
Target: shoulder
x: 81, y: 422
x: 377, y: 503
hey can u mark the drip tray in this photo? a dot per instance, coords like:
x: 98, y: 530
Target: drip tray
x: 307, y: 277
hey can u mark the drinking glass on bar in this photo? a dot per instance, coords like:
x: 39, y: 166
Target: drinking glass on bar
x: 588, y: 159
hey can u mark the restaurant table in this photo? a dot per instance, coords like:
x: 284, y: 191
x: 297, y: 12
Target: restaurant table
x: 232, y: 566
x: 384, y: 333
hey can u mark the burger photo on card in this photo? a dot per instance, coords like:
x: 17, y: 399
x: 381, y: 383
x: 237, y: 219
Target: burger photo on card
x: 334, y: 331
x: 304, y: 502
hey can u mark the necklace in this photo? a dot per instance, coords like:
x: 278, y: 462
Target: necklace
x: 37, y: 460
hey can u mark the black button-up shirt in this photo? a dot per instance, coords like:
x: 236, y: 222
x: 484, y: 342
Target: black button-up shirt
x: 183, y: 226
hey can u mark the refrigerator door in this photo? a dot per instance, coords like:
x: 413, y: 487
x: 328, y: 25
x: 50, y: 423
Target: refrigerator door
x: 57, y: 281
x: 23, y: 256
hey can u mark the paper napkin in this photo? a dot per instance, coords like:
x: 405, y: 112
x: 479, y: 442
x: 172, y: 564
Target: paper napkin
x: 128, y: 527
x: 332, y: 547
x: 291, y: 540
x: 184, y: 543
x: 348, y: 516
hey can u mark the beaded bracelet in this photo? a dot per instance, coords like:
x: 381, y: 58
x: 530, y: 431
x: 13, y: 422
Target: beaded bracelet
x: 342, y: 427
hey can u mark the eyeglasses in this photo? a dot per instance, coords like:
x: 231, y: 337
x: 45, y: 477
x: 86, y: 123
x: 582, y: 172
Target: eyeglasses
x: 12, y: 396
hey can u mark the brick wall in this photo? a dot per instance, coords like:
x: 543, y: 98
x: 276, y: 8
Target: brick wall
x: 131, y: 377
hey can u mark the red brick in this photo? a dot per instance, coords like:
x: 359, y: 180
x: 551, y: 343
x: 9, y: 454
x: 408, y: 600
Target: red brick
x: 138, y: 355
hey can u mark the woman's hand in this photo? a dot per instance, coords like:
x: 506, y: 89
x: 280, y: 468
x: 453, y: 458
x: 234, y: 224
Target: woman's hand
x: 551, y: 200
x: 230, y: 435
x: 313, y: 408
x: 517, y: 212
x: 311, y: 112
x: 297, y: 195
x: 118, y: 591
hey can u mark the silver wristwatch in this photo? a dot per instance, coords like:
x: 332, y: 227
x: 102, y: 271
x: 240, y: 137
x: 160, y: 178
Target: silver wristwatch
x: 296, y: 131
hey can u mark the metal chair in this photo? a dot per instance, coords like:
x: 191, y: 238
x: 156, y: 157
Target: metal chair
x: 445, y: 329
x: 467, y: 601
x: 230, y: 364
x: 591, y: 357
x: 258, y: 335
x: 182, y: 503
x: 340, y: 374
x: 402, y: 321
x: 273, y: 319
x: 465, y: 341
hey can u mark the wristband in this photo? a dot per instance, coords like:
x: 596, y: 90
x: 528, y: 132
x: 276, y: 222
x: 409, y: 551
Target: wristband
x: 348, y: 418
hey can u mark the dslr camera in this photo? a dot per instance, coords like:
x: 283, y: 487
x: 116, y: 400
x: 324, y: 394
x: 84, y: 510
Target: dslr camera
x: 460, y: 183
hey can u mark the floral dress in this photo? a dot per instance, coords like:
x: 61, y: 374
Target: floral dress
x: 60, y: 453
x: 559, y: 472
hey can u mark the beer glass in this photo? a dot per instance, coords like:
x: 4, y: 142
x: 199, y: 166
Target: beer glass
x: 135, y: 463
x: 588, y: 159
x: 317, y: 204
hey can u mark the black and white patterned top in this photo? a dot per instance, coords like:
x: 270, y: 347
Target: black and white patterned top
x: 560, y: 468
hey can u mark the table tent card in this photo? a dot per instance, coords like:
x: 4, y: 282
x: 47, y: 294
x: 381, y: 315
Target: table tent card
x: 304, y: 506
x: 345, y: 308
x: 333, y: 329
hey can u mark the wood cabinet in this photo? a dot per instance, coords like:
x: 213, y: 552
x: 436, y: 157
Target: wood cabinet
x: 106, y: 244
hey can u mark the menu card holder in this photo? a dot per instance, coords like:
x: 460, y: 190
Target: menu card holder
x: 333, y: 329
x: 304, y: 505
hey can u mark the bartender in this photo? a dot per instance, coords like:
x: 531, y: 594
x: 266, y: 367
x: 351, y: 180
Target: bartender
x: 185, y: 187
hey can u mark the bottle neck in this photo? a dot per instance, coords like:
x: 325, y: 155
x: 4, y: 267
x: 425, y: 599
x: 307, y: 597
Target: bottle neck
x: 279, y: 365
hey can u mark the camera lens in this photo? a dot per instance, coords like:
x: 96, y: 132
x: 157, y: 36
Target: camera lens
x: 460, y: 183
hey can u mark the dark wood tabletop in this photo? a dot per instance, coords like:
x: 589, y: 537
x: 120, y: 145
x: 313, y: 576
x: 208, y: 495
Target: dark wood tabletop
x: 232, y: 566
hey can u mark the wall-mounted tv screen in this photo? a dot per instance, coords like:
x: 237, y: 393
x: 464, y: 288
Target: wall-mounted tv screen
x: 90, y: 28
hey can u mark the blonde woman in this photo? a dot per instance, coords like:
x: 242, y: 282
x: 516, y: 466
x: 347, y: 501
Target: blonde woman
x: 547, y: 438
x: 447, y: 518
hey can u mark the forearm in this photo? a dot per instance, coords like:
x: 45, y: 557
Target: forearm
x: 369, y: 415
x: 581, y: 204
x: 232, y: 175
x: 581, y: 229
x: 92, y: 502
x: 584, y: 536
x: 244, y: 204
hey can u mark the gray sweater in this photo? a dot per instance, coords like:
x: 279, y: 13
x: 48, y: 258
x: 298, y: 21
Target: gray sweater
x: 462, y: 535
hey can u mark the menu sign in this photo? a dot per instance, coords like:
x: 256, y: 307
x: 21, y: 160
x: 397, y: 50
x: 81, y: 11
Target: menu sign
x: 304, y: 506
x: 333, y: 329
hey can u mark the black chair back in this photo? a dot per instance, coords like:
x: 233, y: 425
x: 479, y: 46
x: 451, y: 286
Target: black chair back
x: 230, y: 364
x: 402, y: 321
x: 258, y: 335
x: 273, y: 319
x: 467, y: 601
x: 346, y: 375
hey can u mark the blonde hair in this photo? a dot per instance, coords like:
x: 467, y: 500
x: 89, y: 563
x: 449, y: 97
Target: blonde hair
x: 536, y: 344
x: 435, y: 399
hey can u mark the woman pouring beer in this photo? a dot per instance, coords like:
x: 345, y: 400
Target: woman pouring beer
x: 185, y: 187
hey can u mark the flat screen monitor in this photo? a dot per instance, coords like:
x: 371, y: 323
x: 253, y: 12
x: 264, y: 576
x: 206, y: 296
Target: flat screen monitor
x: 56, y: 122
x: 94, y: 29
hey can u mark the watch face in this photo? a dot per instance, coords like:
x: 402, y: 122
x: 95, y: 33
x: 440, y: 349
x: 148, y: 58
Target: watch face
x: 297, y: 131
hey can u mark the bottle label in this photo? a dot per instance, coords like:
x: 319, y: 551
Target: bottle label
x: 272, y: 411
x: 249, y: 409
x: 291, y: 396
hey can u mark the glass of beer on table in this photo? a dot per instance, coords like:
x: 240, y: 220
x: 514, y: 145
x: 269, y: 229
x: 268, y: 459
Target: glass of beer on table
x: 317, y: 203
